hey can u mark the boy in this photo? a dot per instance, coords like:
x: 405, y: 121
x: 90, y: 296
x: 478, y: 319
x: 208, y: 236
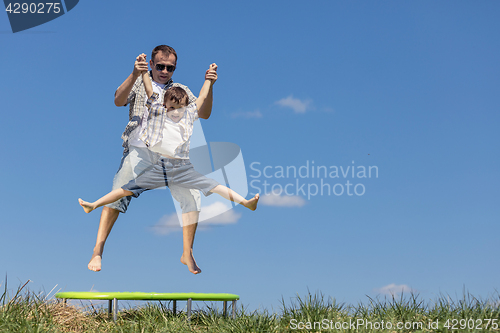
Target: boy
x: 167, y: 129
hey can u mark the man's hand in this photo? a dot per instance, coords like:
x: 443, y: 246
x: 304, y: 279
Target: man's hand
x: 211, y: 73
x: 140, y: 65
x: 121, y: 94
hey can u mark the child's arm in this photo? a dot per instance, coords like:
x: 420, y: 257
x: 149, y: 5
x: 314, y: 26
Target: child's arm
x: 146, y: 80
x: 207, y: 85
x: 204, y: 100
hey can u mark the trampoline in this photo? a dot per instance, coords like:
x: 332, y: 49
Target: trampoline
x: 114, y: 297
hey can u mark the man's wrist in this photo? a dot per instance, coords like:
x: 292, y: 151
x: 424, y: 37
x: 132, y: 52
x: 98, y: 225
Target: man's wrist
x: 136, y: 74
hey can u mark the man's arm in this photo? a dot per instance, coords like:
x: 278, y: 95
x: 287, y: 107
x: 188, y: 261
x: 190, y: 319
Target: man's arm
x: 205, y: 99
x: 121, y: 94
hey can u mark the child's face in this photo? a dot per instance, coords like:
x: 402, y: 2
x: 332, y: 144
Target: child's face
x: 175, y: 111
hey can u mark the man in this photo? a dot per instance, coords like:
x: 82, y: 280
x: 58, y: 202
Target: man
x: 136, y: 157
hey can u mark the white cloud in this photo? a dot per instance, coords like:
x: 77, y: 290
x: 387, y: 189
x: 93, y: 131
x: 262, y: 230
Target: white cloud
x: 217, y: 213
x: 167, y: 224
x: 221, y: 212
x: 247, y: 114
x: 295, y: 104
x: 274, y: 199
x: 392, y: 289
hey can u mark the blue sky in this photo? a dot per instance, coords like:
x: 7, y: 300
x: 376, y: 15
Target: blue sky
x: 408, y: 88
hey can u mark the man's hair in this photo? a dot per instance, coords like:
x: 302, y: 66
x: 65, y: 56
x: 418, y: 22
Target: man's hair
x: 165, y: 49
x: 176, y: 95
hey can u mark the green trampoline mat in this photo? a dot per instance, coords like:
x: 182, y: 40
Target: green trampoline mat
x: 139, y: 296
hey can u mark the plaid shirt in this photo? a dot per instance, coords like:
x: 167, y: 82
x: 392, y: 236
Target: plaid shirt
x: 152, y: 130
x: 137, y: 101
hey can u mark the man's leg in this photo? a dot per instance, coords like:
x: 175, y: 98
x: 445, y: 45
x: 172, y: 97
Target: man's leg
x: 189, y: 225
x: 190, y: 202
x: 133, y: 162
x: 108, y: 219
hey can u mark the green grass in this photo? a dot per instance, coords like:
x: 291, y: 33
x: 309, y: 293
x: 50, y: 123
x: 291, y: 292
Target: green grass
x: 26, y: 311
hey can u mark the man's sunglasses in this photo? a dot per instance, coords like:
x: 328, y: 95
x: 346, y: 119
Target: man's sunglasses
x: 161, y: 67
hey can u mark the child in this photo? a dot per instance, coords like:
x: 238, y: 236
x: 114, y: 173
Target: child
x: 167, y: 129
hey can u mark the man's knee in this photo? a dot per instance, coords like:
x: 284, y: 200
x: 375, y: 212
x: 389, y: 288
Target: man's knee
x: 109, y: 214
x: 190, y: 219
x: 189, y: 200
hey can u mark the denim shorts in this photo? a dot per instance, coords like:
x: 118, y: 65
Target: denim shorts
x: 170, y: 172
x: 133, y: 163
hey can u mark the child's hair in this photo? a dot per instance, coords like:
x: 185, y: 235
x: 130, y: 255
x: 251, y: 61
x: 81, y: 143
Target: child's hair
x: 176, y: 95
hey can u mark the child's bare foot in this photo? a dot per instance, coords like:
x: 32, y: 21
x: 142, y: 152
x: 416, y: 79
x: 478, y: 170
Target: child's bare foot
x: 188, y: 260
x: 95, y: 263
x: 252, y: 203
x: 87, y: 206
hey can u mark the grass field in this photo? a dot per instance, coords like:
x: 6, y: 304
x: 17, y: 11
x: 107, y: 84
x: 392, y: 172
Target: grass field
x: 25, y: 311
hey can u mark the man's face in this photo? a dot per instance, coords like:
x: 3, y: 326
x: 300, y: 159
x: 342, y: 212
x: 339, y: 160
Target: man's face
x: 175, y: 111
x: 162, y: 76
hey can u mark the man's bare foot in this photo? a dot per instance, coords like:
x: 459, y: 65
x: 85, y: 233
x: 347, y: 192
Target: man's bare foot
x: 252, y: 203
x: 87, y: 206
x: 188, y: 260
x: 95, y: 263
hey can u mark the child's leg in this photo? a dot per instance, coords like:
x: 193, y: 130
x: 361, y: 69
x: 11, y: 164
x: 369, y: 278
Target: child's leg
x: 107, y: 199
x: 229, y: 194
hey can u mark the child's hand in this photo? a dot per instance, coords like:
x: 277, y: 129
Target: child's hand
x: 140, y: 65
x: 211, y: 73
